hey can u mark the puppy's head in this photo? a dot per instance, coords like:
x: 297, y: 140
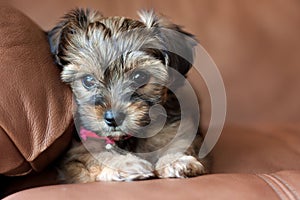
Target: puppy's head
x: 118, y: 67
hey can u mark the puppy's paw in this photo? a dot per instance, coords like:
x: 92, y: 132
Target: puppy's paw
x: 126, y: 168
x: 178, y: 166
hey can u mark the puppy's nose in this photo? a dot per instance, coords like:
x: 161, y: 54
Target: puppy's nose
x: 114, y: 118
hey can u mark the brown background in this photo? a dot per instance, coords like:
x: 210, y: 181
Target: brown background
x: 255, y: 44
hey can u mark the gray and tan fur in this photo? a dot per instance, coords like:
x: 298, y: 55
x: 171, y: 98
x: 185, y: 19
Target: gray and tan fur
x: 102, y: 58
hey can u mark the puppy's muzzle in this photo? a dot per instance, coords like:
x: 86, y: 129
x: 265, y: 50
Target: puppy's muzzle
x: 114, y: 118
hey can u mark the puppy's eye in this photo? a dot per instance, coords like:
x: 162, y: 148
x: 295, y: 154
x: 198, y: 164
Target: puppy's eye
x: 140, y: 78
x: 89, y: 82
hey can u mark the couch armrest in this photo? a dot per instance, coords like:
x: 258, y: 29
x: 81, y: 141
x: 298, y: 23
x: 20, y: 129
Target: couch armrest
x: 36, y: 108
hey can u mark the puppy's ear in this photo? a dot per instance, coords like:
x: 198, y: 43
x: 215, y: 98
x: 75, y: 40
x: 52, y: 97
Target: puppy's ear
x: 74, y: 21
x: 179, y: 45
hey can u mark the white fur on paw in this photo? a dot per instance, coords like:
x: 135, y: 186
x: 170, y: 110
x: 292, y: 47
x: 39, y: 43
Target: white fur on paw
x: 127, y: 168
x: 172, y: 166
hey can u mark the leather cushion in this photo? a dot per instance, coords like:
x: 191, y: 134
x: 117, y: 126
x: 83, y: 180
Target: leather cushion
x: 281, y: 185
x: 36, y: 118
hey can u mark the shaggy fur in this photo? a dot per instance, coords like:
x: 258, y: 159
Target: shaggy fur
x: 100, y: 59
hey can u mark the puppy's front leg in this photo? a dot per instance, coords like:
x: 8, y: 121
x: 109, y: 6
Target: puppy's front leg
x: 177, y: 151
x: 123, y: 168
x: 180, y: 164
x: 81, y: 166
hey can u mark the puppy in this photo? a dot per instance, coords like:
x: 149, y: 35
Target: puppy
x: 124, y: 74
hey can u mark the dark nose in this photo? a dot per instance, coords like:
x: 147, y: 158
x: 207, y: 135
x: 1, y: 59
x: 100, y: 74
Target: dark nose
x: 114, y: 119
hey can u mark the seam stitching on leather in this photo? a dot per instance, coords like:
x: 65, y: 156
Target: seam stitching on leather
x: 267, y: 180
x: 284, y: 189
x: 288, y: 186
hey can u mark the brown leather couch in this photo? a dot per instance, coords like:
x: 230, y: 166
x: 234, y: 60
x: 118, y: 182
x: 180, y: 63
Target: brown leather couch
x: 256, y: 46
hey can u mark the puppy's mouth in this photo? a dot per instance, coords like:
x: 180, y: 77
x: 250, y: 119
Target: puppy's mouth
x: 118, y: 136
